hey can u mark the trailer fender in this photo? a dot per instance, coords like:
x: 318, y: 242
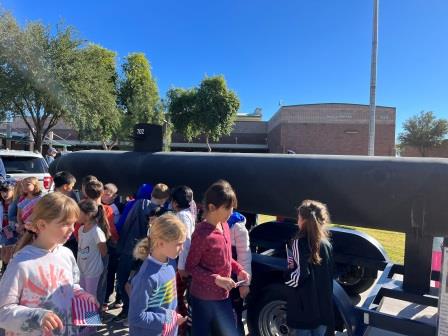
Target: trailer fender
x: 351, y: 317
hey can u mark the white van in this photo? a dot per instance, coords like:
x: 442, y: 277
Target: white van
x: 20, y: 164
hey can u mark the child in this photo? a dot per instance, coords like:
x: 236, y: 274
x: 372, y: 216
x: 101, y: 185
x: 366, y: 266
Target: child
x: 42, y: 278
x: 310, y: 305
x: 134, y: 229
x: 32, y: 193
x: 64, y: 183
x: 94, y: 190
x: 140, y: 249
x: 153, y: 302
x: 8, y: 234
x: 242, y: 253
x: 91, y: 245
x: 108, y: 198
x: 84, y: 181
x: 181, y: 198
x: 143, y: 192
x: 13, y: 207
x: 210, y: 264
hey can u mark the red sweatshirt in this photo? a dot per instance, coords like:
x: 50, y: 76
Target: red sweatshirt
x: 210, y: 255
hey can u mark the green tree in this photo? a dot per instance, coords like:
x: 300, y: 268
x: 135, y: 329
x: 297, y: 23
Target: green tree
x: 208, y: 110
x: 423, y: 131
x: 139, y: 95
x: 95, y: 113
x: 38, y: 71
x: 181, y: 108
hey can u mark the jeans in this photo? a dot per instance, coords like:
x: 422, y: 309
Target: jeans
x: 217, y: 313
x: 319, y: 331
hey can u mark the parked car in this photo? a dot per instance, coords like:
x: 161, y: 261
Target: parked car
x: 21, y: 164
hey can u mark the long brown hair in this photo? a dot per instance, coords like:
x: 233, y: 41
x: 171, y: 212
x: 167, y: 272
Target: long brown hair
x: 315, y: 218
x: 96, y: 212
x: 50, y: 207
x: 35, y: 182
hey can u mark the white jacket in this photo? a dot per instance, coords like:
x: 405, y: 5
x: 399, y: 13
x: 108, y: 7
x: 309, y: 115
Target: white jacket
x: 239, y: 237
x: 187, y: 218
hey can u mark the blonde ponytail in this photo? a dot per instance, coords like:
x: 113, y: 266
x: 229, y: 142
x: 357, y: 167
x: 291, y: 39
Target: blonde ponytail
x: 167, y: 228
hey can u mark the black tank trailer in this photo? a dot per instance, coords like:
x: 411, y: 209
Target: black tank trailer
x: 399, y: 194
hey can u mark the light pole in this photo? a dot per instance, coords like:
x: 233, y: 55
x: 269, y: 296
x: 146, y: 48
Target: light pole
x: 372, y: 109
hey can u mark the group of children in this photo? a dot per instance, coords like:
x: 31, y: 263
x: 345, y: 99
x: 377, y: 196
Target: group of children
x: 150, y: 251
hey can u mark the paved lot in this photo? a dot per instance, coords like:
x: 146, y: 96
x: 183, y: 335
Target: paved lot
x: 390, y: 306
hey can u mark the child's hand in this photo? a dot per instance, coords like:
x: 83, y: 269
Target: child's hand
x: 243, y: 275
x: 181, y: 319
x: 225, y: 283
x: 51, y: 321
x: 244, y: 290
x: 94, y: 301
x: 291, y: 263
x: 90, y: 298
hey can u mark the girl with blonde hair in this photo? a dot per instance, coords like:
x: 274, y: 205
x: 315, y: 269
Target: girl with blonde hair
x: 153, y: 300
x: 32, y: 193
x: 42, y: 278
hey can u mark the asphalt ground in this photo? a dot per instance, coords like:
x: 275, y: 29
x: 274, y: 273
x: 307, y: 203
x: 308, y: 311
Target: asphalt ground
x: 389, y: 306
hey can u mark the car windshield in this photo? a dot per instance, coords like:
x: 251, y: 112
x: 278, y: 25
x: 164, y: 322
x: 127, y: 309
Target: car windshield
x: 24, y: 164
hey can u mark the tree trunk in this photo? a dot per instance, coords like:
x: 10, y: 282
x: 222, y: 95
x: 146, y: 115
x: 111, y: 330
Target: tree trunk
x: 38, y: 141
x: 423, y: 151
x: 208, y: 144
x: 109, y: 147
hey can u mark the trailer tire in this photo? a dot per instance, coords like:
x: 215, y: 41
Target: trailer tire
x: 266, y: 316
x: 357, y: 279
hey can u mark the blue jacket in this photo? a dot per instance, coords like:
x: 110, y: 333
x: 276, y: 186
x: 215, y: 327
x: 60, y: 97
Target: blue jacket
x: 144, y: 192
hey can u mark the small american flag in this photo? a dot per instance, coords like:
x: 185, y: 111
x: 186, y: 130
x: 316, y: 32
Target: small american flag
x: 84, y: 312
x: 170, y: 326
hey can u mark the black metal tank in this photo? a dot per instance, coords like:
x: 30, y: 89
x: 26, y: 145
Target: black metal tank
x: 399, y: 194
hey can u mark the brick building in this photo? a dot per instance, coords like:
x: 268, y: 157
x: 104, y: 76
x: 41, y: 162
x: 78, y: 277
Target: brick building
x: 307, y: 129
x: 333, y: 128
x: 330, y: 129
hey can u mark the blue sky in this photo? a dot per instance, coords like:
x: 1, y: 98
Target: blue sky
x: 293, y: 51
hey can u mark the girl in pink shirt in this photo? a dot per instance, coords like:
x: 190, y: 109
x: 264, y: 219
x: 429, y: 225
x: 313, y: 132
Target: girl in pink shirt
x: 211, y: 265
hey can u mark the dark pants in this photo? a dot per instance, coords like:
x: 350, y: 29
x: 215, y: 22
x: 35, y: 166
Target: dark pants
x: 181, y: 287
x: 111, y: 271
x: 238, y: 306
x: 124, y: 269
x: 208, y: 314
x: 101, y: 290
